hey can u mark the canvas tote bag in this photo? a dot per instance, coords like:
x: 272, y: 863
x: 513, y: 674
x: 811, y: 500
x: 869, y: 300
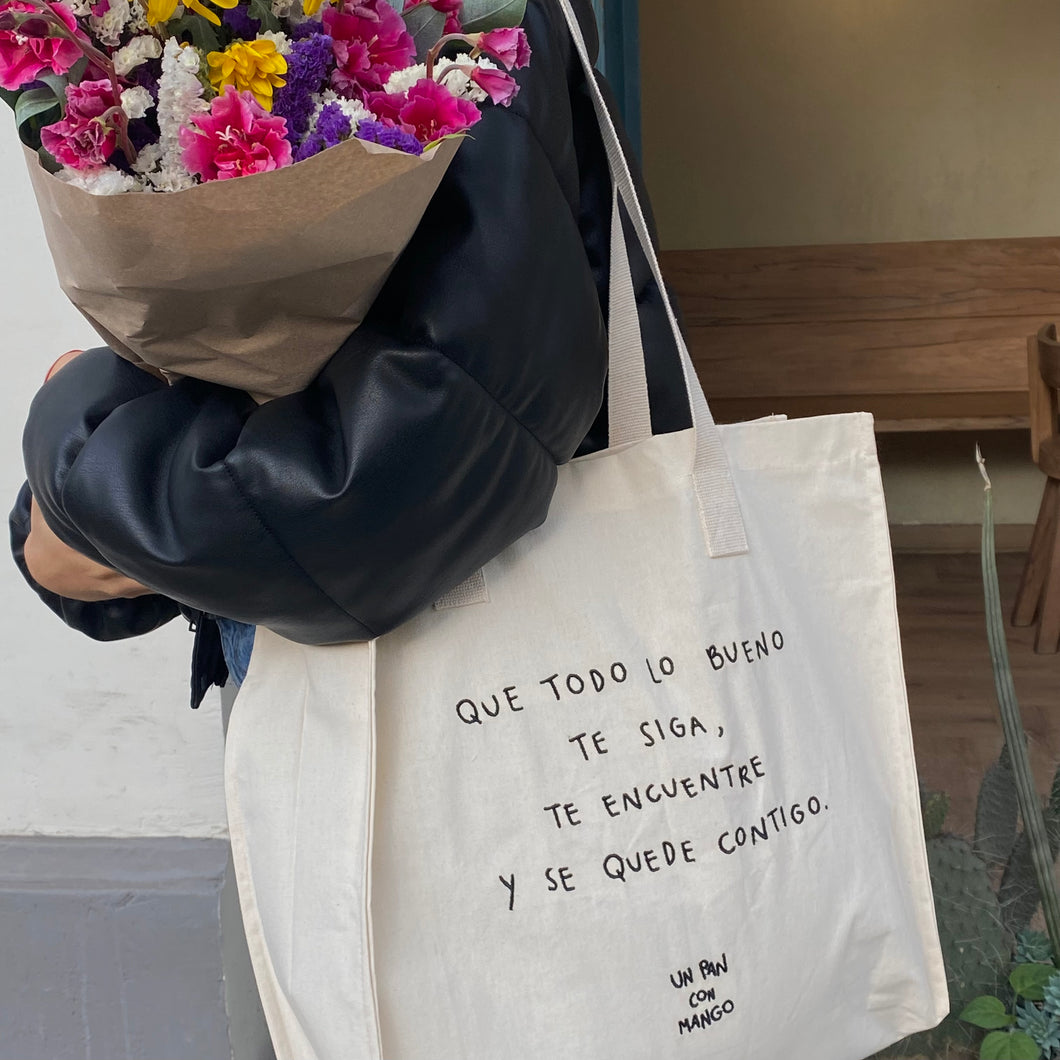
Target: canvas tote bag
x: 645, y: 789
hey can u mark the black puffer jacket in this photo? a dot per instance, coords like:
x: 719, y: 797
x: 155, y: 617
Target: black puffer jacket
x: 428, y: 443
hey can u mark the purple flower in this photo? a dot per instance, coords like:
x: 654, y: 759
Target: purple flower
x: 307, y: 70
x: 145, y: 77
x: 378, y: 133
x: 333, y: 126
x: 309, y: 28
x: 238, y: 20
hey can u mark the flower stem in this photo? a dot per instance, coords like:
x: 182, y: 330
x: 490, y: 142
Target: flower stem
x: 436, y: 51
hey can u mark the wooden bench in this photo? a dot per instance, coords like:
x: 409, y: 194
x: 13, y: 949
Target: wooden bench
x: 926, y: 336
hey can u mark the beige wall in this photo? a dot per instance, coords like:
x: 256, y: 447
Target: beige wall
x: 791, y: 122
x: 787, y: 122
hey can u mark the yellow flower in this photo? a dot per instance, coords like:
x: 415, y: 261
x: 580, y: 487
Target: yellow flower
x: 311, y: 7
x: 255, y: 66
x: 163, y: 10
x: 160, y: 11
x: 201, y: 9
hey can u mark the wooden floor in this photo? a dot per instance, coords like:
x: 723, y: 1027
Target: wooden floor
x: 956, y: 726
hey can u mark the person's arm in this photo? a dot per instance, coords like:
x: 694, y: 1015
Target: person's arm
x: 427, y: 444
x: 107, y: 619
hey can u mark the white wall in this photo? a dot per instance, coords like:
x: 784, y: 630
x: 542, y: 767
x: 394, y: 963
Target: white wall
x: 95, y: 739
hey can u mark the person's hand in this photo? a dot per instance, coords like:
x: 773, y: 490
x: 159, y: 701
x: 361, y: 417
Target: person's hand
x: 55, y: 566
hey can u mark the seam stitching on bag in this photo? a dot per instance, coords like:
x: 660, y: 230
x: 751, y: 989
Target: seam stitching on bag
x: 287, y: 552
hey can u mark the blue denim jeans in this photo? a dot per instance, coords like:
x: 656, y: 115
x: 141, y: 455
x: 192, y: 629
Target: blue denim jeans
x: 237, y: 642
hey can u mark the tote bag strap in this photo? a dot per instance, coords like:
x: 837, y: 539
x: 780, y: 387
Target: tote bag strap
x: 719, y: 508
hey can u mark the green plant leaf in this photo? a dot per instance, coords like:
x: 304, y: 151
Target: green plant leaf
x: 262, y: 11
x: 56, y: 82
x: 1009, y: 1045
x: 478, y: 16
x: 996, y: 812
x: 47, y: 160
x: 934, y: 805
x: 426, y: 26
x: 1029, y: 979
x: 397, y: 5
x: 986, y: 1012
x: 202, y: 33
x: 1034, y: 825
x: 34, y: 101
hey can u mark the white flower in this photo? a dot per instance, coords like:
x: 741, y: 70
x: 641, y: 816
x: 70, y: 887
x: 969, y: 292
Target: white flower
x: 282, y: 8
x: 137, y: 51
x: 458, y: 83
x: 137, y: 18
x: 280, y: 40
x: 354, y: 109
x: 400, y: 81
x: 136, y: 102
x: 179, y: 97
x: 81, y: 8
x: 103, y: 181
x: 108, y: 27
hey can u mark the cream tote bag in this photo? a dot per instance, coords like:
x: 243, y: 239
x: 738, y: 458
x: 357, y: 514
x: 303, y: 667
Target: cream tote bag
x: 644, y: 789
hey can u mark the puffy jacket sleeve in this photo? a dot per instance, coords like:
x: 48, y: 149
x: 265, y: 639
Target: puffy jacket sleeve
x: 428, y: 443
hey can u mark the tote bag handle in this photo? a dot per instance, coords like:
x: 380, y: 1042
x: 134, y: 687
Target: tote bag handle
x: 628, y: 408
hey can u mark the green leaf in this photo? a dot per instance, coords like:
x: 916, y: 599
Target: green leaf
x: 478, y: 16
x: 34, y: 101
x: 426, y: 26
x: 986, y: 1012
x: 1034, y: 825
x: 202, y: 33
x: 1009, y: 1045
x: 397, y: 5
x: 996, y: 812
x: 10, y: 96
x: 1029, y: 979
x: 262, y: 11
x: 47, y: 160
x: 56, y: 82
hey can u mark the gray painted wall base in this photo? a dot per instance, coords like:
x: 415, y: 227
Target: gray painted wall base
x: 124, y: 949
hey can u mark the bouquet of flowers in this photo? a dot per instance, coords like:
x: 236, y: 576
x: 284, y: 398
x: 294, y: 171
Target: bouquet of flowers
x: 297, y: 144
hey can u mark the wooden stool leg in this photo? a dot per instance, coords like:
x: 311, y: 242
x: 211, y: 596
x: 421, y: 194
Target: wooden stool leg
x: 1037, y: 565
x: 1048, y: 639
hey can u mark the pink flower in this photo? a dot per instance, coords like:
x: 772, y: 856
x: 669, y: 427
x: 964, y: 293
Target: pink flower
x: 28, y: 49
x: 386, y: 106
x: 433, y: 111
x: 83, y: 139
x: 236, y: 138
x: 510, y: 46
x: 499, y: 86
x: 370, y: 43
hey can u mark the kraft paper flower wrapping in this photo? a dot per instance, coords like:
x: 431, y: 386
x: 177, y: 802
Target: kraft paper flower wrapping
x: 252, y: 283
